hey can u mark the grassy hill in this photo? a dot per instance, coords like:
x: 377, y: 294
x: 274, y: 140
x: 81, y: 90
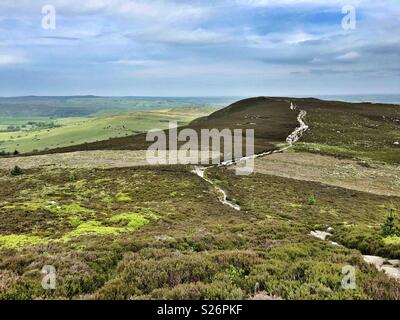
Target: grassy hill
x: 41, y: 123
x: 42, y: 133
x: 160, y: 232
x: 355, y: 130
x: 271, y: 119
x: 82, y: 106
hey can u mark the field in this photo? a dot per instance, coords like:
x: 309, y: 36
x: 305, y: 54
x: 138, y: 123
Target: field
x: 82, y: 106
x: 115, y: 228
x: 77, y: 130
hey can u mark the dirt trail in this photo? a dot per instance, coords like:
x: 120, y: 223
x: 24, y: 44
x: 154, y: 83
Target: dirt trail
x: 291, y: 139
x: 200, y: 171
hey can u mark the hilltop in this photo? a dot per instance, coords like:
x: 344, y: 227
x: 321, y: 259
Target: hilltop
x: 337, y: 128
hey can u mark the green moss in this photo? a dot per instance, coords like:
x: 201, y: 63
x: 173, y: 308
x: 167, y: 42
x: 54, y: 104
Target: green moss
x: 68, y: 209
x: 295, y: 205
x: 107, y: 199
x: 148, y: 213
x: 392, y: 240
x: 56, y: 208
x: 133, y: 221
x: 127, y: 222
x: 74, y: 221
x: 49, y: 191
x: 9, y: 206
x: 123, y: 197
x: 14, y: 241
x: 79, y: 185
x: 92, y: 227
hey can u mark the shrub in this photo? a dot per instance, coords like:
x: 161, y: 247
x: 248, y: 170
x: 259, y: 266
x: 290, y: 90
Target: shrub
x: 390, y: 226
x: 16, y: 152
x: 312, y: 201
x: 17, y: 171
x: 215, y: 290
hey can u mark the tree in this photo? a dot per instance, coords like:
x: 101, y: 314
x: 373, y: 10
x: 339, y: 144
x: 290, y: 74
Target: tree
x: 389, y: 227
x: 17, y: 171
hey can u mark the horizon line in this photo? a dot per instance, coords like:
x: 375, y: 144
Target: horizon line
x: 194, y: 96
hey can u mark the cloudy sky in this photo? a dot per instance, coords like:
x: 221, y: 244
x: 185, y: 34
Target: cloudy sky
x: 199, y: 47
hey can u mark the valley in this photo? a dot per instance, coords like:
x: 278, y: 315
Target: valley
x: 35, y: 124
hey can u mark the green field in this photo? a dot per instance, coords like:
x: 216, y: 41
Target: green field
x: 82, y: 106
x: 77, y: 130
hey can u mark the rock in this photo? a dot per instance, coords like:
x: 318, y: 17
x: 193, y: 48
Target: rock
x: 394, y: 262
x: 375, y: 260
x: 163, y: 238
x: 392, y: 272
x: 330, y: 229
x: 320, y: 234
x: 264, y: 296
x: 397, y: 143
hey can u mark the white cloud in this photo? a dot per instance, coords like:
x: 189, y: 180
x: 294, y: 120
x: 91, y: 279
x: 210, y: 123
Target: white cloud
x: 8, y: 59
x: 138, y: 62
x: 280, y: 39
x: 264, y: 3
x: 197, y: 36
x: 181, y: 36
x: 164, y: 10
x: 350, y: 56
x: 317, y: 61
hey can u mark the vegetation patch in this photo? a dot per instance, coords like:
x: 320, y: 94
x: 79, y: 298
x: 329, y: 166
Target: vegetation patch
x: 191, y: 246
x: 123, y: 197
x: 94, y: 228
x: 16, y: 241
x: 394, y: 240
x: 368, y: 240
x: 131, y: 221
x: 363, y: 131
x: 68, y: 209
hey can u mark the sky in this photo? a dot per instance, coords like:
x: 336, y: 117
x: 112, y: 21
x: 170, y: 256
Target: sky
x: 199, y: 47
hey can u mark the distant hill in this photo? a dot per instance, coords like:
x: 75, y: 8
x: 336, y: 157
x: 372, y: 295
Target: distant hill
x: 81, y: 106
x: 271, y: 118
x: 355, y: 130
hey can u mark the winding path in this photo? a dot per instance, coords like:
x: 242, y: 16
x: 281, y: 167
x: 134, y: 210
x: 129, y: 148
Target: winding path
x: 291, y: 139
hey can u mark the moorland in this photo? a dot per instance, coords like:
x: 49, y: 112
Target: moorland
x: 117, y: 228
